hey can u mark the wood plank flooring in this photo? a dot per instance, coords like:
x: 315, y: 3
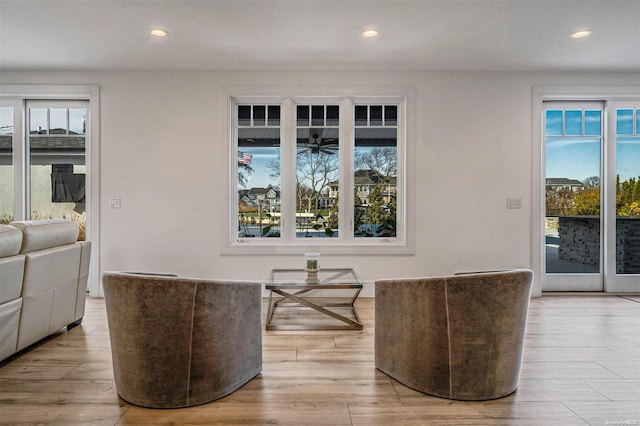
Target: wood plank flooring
x: 581, y: 367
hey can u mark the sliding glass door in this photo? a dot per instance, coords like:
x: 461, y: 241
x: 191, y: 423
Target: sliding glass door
x: 57, y: 160
x: 623, y: 244
x: 43, y: 160
x: 592, y: 196
x: 11, y: 149
x: 573, y: 141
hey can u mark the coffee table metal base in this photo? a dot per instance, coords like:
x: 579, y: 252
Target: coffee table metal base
x: 298, y: 299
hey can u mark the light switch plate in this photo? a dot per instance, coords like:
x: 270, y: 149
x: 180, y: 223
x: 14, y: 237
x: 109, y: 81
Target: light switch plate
x: 114, y: 202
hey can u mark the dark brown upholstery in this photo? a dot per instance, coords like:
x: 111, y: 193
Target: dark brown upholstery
x: 179, y: 342
x: 458, y: 337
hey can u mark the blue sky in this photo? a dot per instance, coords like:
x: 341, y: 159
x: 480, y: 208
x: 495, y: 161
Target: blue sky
x: 260, y: 177
x: 577, y: 154
x: 579, y: 158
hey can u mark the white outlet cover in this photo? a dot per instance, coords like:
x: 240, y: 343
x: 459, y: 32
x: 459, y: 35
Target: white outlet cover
x: 514, y: 203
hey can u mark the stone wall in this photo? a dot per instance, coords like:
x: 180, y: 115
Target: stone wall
x: 628, y: 245
x: 580, y: 242
x: 579, y: 239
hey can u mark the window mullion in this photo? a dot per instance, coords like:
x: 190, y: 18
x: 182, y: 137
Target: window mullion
x: 287, y: 172
x: 345, y: 192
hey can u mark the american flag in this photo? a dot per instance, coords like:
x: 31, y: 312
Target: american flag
x: 244, y: 157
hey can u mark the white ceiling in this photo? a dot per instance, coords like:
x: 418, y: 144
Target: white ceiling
x: 320, y: 34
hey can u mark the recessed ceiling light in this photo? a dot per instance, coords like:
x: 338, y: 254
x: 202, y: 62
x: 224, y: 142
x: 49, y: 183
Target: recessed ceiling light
x: 158, y: 32
x: 581, y: 34
x: 370, y: 33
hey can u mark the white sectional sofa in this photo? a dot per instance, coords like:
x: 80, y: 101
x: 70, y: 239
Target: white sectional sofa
x: 43, y: 281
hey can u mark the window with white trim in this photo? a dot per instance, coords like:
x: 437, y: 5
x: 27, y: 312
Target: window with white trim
x: 317, y: 172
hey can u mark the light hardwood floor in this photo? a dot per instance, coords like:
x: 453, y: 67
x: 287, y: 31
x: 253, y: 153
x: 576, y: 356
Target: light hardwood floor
x: 581, y: 366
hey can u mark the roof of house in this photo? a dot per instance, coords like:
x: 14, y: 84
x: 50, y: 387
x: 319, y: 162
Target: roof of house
x: 563, y: 181
x: 47, y: 143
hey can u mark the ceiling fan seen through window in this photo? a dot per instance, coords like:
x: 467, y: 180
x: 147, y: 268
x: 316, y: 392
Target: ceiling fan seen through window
x: 316, y: 144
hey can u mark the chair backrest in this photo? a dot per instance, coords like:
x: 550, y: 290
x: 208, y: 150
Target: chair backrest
x: 178, y: 342
x: 458, y: 337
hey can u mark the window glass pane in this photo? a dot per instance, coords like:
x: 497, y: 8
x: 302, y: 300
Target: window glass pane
x: 375, y: 178
x: 302, y: 115
x: 258, y: 178
x: 317, y: 180
x: 317, y: 115
x: 390, y: 115
x: 58, y: 169
x: 274, y: 115
x: 38, y: 123
x: 315, y: 175
x: 592, y: 123
x: 624, y: 122
x: 375, y: 112
x: 573, y: 123
x: 637, y: 132
x: 259, y: 115
x: 6, y: 165
x: 244, y: 115
x: 58, y: 121
x: 77, y: 121
x: 553, y: 122
x: 333, y: 115
x: 361, y: 115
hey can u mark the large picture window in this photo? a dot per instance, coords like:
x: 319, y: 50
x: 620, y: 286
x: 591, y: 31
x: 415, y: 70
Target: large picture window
x: 317, y: 172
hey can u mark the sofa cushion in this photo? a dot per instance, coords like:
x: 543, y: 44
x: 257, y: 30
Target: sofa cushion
x: 10, y: 240
x: 46, y: 233
x: 9, y: 317
x: 50, y: 269
x: 12, y: 274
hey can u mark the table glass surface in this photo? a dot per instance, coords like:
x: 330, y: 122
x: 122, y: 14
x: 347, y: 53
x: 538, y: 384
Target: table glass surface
x: 325, y: 277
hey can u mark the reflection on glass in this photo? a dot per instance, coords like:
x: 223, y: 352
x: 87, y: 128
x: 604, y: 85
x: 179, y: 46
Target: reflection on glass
x: 6, y: 165
x: 317, y: 171
x: 258, y: 168
x: 627, y: 192
x: 375, y: 171
x: 572, y: 226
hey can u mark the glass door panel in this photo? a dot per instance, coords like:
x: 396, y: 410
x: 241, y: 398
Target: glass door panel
x: 573, y: 141
x: 624, y: 256
x: 6, y: 164
x: 57, y: 161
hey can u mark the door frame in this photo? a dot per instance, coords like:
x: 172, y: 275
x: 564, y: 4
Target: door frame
x: 554, y: 93
x: 89, y: 93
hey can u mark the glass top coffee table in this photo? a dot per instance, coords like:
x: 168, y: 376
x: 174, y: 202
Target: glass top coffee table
x: 295, y: 286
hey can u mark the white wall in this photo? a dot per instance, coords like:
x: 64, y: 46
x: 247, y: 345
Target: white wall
x: 162, y: 137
